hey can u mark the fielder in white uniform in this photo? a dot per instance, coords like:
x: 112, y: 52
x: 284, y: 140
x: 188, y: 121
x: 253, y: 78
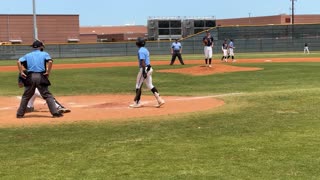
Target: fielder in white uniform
x: 208, y: 45
x: 306, y: 49
x: 224, y: 49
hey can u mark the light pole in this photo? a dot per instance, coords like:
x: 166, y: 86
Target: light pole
x: 35, y: 30
x: 292, y: 11
x: 292, y: 16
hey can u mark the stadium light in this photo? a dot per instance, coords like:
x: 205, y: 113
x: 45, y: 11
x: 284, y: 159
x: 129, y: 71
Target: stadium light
x: 35, y: 30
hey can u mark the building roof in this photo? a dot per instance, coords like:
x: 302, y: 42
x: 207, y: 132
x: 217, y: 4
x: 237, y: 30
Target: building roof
x: 113, y: 29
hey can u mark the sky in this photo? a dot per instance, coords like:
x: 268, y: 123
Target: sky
x: 137, y: 12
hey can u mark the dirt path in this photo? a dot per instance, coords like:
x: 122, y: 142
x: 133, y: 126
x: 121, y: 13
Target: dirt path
x: 102, y: 107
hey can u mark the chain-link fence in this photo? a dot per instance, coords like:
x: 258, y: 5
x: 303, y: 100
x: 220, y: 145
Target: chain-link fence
x: 270, y: 38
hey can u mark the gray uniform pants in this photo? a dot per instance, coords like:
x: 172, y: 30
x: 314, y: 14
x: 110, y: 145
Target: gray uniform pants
x: 35, y: 82
x: 174, y: 55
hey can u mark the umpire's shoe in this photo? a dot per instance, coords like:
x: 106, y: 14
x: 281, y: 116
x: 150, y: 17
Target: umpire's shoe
x: 57, y: 115
x: 29, y: 109
x: 63, y: 110
x: 19, y: 116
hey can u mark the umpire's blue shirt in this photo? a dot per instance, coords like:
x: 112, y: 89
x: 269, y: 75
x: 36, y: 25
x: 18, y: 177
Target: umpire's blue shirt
x: 36, y: 60
x: 176, y: 46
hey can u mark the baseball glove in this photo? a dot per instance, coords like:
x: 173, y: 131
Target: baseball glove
x: 205, y: 42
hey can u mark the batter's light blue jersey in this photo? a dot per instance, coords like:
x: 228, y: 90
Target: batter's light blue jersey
x: 143, y: 54
x: 36, y: 60
x: 176, y: 46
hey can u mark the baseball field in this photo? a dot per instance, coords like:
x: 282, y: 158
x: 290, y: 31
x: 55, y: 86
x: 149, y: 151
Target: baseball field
x: 257, y: 118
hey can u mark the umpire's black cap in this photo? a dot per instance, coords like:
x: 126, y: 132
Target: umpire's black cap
x: 37, y: 44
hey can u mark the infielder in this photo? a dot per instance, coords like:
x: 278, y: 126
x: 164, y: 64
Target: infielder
x: 306, y: 49
x: 144, y: 75
x: 208, y: 45
x: 224, y: 49
x: 230, y: 49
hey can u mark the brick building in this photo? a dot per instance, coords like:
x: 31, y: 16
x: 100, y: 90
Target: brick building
x: 112, y: 33
x: 66, y: 29
x: 267, y: 20
x: 51, y: 28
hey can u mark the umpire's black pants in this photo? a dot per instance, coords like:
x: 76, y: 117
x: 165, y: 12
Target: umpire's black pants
x: 174, y: 56
x: 34, y: 81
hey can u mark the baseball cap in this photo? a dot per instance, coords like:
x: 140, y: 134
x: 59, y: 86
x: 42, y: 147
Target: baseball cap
x: 37, y: 44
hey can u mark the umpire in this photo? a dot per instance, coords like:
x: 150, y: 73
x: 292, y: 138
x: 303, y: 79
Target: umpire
x: 176, y: 50
x: 39, y: 64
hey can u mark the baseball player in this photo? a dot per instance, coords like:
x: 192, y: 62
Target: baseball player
x: 230, y: 49
x: 224, y: 49
x: 306, y: 49
x: 144, y: 75
x: 176, y: 50
x: 208, y: 45
x: 30, y: 106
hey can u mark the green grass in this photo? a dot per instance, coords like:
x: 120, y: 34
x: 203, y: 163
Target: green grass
x: 216, y: 55
x: 269, y: 131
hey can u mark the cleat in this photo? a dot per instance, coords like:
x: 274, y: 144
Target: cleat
x: 160, y: 103
x: 135, y: 105
x: 210, y: 65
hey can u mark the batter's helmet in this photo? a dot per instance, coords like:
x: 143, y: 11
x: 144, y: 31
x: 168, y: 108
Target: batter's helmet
x: 140, y: 42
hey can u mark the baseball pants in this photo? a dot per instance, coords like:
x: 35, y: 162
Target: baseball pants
x: 176, y: 54
x: 208, y: 52
x: 231, y: 53
x: 29, y: 92
x: 148, y: 80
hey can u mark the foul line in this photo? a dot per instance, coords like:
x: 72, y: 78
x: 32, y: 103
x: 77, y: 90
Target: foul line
x: 75, y: 105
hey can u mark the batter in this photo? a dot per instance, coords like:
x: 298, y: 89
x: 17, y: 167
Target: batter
x: 144, y: 75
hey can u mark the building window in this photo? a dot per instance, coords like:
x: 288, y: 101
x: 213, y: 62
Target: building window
x: 288, y: 20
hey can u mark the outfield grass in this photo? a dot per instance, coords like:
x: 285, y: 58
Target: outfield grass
x: 268, y: 131
x: 216, y: 55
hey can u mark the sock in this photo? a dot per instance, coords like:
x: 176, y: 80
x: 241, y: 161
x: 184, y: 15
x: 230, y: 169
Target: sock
x: 154, y: 90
